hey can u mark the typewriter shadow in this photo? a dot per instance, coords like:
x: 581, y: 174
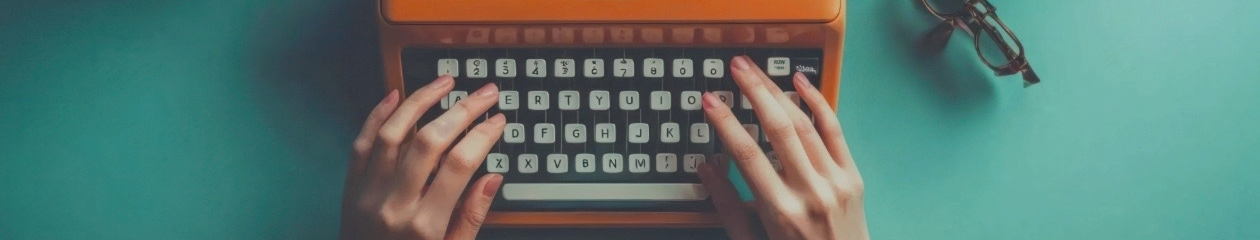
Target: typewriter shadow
x: 329, y: 58
x: 960, y: 80
x: 316, y: 71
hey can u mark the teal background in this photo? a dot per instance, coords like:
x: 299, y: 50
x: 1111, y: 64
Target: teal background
x: 232, y: 120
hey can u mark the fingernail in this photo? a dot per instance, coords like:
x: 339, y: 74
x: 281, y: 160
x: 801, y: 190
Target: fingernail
x: 497, y: 119
x: 710, y: 101
x: 705, y: 168
x: 390, y: 98
x: 749, y: 60
x: 487, y: 90
x: 441, y: 82
x: 740, y: 63
x: 800, y: 78
x: 492, y: 185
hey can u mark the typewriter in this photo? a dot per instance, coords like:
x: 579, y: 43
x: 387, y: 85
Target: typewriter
x: 602, y: 98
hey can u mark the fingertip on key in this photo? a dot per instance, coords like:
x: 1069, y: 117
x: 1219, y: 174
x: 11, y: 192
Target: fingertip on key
x: 740, y: 63
x: 711, y: 101
x: 442, y: 82
x: 802, y: 81
x: 492, y: 184
x: 497, y: 119
x: 487, y: 90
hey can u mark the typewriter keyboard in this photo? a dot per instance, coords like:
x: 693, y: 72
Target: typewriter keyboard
x: 604, y: 128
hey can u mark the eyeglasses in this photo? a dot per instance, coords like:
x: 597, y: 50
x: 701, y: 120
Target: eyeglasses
x: 1001, y: 50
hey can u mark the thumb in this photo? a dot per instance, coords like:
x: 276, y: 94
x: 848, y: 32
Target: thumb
x: 467, y: 222
x: 730, y: 208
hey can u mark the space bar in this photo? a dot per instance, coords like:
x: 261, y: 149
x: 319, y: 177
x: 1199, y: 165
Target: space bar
x: 605, y: 191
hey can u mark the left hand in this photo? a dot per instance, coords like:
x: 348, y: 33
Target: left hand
x: 388, y: 195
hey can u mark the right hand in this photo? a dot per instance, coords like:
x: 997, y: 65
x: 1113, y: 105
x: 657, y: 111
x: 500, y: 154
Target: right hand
x: 818, y: 195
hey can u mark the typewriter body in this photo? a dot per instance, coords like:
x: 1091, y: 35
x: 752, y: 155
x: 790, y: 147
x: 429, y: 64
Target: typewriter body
x: 603, y: 97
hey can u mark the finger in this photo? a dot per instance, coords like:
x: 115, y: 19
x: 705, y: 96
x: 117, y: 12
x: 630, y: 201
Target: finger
x: 457, y: 168
x: 827, y: 123
x: 395, y: 130
x: 818, y: 157
x: 363, y: 143
x: 818, y: 154
x: 466, y: 224
x: 435, y: 137
x: 730, y: 208
x: 777, y: 127
x: 752, y: 163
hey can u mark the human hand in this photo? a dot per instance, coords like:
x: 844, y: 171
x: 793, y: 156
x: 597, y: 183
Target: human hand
x: 387, y: 195
x: 818, y: 195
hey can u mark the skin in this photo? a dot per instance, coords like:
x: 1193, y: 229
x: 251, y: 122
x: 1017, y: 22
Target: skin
x: 388, y: 195
x: 818, y: 195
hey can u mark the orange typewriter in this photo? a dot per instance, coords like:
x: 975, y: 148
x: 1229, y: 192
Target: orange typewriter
x: 602, y: 97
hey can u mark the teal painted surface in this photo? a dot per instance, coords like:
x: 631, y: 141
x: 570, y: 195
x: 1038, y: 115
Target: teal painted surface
x: 232, y: 120
x: 1144, y: 126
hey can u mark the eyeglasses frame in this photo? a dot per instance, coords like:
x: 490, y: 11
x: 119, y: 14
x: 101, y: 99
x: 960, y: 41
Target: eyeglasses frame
x: 973, y: 15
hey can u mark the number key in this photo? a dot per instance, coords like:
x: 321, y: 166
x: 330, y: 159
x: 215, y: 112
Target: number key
x: 653, y: 67
x: 714, y: 68
x: 536, y: 68
x: 506, y: 68
x: 682, y: 68
x: 476, y: 68
x: 623, y: 67
x: 594, y: 68
x: 564, y: 68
